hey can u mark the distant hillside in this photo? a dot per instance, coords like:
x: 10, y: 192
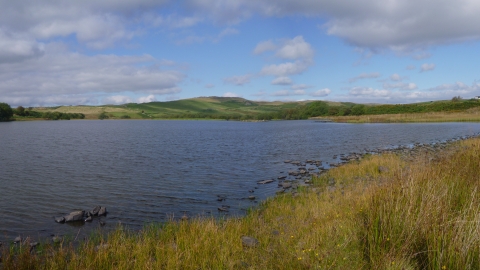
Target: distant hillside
x: 234, y: 108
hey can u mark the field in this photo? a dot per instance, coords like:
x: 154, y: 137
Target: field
x: 404, y: 210
x: 203, y: 107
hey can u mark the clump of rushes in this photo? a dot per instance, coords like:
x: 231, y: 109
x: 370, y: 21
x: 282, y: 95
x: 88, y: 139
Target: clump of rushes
x: 384, y: 212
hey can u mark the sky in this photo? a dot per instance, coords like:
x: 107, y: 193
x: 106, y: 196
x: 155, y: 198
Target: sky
x: 94, y: 52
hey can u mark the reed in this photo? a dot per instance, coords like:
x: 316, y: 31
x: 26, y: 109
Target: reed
x: 385, y: 212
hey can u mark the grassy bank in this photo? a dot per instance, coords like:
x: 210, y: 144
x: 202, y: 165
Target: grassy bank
x: 470, y: 115
x: 385, y: 212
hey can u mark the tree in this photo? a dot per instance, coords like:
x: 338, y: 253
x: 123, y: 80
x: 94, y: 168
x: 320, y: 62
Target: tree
x: 20, y: 111
x: 6, y: 112
x: 102, y: 116
x: 358, y: 109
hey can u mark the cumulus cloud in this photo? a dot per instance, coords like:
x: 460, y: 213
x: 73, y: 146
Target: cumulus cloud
x: 147, y: 99
x: 285, y: 93
x: 427, y: 67
x: 443, y: 91
x: 364, y: 76
x: 15, y: 48
x: 238, y: 80
x: 264, y: 46
x: 282, y: 81
x: 300, y: 86
x: 286, y: 69
x: 401, y: 86
x: 117, y: 100
x: 321, y: 93
x: 395, y: 77
x: 295, y: 48
x: 62, y: 74
x: 230, y: 94
x: 395, y: 24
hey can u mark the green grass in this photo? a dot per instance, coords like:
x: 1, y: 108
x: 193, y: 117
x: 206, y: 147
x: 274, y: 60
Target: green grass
x: 416, y: 212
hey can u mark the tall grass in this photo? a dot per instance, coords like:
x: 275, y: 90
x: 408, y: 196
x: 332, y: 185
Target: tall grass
x: 471, y: 115
x: 384, y: 212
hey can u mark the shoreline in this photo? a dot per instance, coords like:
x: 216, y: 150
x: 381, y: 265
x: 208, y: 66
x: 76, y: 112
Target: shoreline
x: 323, y: 184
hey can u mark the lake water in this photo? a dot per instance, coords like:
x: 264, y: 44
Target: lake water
x: 150, y: 171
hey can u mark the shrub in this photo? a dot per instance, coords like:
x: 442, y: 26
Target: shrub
x: 6, y: 112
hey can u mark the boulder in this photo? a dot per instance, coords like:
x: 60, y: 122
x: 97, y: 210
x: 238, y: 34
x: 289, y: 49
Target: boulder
x: 90, y: 218
x: 102, y: 211
x: 60, y: 219
x: 75, y: 216
x: 95, y: 210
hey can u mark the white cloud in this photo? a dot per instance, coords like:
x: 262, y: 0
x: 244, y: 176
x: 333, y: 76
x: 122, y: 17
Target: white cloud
x: 295, y: 48
x: 264, y: 46
x: 147, y: 99
x: 395, y: 77
x: 411, y: 67
x: 209, y: 85
x: 395, y: 24
x: 282, y: 81
x: 230, y: 94
x: 364, y: 76
x: 300, y: 86
x: 427, y: 67
x: 61, y: 75
x: 117, y: 100
x: 458, y: 86
x: 299, y: 92
x: 368, y: 91
x: 286, y: 69
x: 401, y: 86
x: 281, y: 93
x: 14, y: 48
x: 321, y: 93
x: 238, y: 80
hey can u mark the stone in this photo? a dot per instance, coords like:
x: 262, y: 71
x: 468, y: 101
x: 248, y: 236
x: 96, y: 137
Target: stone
x: 95, y: 210
x: 75, y: 216
x: 34, y: 244
x: 223, y: 209
x: 17, y: 239
x: 282, y: 177
x: 88, y: 219
x: 60, y: 219
x: 248, y: 241
x: 102, y: 211
x: 265, y: 181
x: 286, y: 185
x: 251, y: 197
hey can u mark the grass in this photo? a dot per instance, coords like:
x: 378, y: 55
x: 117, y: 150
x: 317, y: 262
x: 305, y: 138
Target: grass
x: 470, y: 115
x: 385, y: 212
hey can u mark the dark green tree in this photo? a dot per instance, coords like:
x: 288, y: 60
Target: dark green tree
x: 6, y: 112
x: 103, y: 116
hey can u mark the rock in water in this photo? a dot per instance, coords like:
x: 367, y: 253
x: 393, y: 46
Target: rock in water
x: 102, y: 211
x: 248, y: 241
x: 95, y: 210
x: 60, y: 219
x: 75, y: 216
x: 17, y: 239
x: 88, y: 219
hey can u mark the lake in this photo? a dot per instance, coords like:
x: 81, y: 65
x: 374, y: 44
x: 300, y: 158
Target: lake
x: 150, y: 171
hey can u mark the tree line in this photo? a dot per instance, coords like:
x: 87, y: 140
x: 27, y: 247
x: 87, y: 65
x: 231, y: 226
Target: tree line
x: 7, y: 113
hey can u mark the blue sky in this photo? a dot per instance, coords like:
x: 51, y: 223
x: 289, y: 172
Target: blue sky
x: 119, y: 51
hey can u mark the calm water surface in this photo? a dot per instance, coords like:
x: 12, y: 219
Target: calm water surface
x: 149, y: 171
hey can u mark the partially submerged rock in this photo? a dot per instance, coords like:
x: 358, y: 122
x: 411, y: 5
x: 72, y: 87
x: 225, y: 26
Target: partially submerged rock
x: 75, y: 216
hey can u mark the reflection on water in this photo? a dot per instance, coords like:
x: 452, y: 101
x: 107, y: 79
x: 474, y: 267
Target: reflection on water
x: 149, y: 171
